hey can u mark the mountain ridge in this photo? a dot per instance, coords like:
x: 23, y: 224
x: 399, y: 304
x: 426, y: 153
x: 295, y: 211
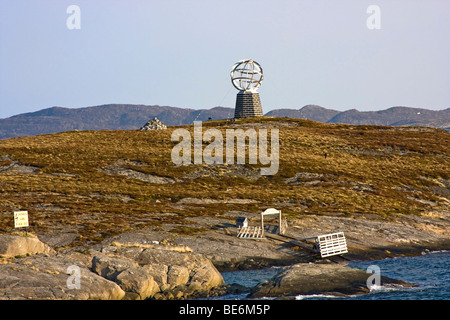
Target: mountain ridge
x: 133, y: 116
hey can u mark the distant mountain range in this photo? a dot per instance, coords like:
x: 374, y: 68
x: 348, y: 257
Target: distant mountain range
x: 395, y: 116
x: 129, y: 117
x: 104, y: 117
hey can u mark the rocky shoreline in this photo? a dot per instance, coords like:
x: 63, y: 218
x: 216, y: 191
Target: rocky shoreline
x: 148, y: 264
x: 30, y: 269
x: 160, y: 263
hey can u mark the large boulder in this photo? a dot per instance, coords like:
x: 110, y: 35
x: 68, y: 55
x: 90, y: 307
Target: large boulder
x: 312, y: 278
x: 12, y: 245
x: 177, y: 275
x: 41, y: 277
x: 160, y: 271
x: 110, y: 267
x: 137, y: 283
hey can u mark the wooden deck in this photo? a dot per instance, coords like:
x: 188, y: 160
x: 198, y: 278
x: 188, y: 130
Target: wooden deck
x: 250, y: 233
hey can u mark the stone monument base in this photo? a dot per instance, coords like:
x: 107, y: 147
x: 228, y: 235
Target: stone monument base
x: 248, y: 104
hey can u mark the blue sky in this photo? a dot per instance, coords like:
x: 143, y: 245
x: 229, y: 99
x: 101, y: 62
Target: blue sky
x: 180, y: 53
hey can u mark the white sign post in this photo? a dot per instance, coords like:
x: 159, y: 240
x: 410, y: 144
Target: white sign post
x: 21, y: 219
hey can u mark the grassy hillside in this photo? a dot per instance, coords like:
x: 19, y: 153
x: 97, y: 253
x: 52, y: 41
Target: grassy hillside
x: 99, y: 183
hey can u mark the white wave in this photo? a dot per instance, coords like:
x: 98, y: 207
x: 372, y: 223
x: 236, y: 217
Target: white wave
x: 316, y: 296
x: 390, y: 288
x: 384, y: 288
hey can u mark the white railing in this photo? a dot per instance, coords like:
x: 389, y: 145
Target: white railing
x: 332, y: 244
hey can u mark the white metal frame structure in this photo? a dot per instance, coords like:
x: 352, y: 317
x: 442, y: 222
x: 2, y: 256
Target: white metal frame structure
x: 282, y: 224
x: 257, y: 232
x: 246, y: 75
x: 331, y: 244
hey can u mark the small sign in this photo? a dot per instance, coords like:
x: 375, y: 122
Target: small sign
x: 20, y: 219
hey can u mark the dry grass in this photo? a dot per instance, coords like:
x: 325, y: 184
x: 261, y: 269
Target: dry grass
x: 368, y: 169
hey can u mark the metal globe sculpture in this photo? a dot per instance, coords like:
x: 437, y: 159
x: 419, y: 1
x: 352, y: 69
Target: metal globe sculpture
x: 246, y: 76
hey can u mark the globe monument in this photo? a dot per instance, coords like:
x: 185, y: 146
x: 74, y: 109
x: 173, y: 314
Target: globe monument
x: 246, y: 76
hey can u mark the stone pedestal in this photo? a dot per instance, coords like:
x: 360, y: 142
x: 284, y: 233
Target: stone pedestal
x: 248, y: 104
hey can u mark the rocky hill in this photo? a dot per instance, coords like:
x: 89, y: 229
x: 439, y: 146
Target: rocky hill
x: 113, y: 203
x: 100, y: 183
x: 133, y: 117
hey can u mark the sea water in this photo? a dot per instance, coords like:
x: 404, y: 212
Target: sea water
x: 429, y: 272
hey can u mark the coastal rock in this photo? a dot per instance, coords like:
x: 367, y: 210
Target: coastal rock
x: 311, y: 278
x: 137, y: 283
x: 159, y: 274
x: 120, y: 271
x: 41, y: 277
x: 12, y: 245
x: 110, y: 267
x: 206, y: 276
x: 157, y: 271
x: 177, y: 275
